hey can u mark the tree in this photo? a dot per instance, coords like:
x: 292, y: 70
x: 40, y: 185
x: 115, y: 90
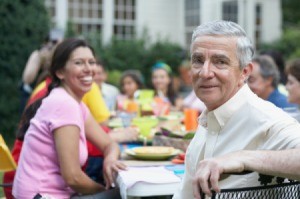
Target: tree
x: 24, y: 25
x: 291, y: 14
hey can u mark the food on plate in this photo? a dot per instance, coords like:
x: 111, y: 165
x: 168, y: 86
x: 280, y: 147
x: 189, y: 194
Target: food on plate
x: 154, y: 150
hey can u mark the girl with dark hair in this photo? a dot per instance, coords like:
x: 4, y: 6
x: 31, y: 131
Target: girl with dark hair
x: 54, y: 148
x: 163, y: 84
x: 130, y: 82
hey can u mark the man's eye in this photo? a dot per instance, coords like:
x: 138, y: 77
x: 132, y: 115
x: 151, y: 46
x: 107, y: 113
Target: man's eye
x: 197, y: 60
x: 221, y: 62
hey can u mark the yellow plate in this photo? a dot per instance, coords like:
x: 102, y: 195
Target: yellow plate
x: 151, y: 156
x: 153, y: 150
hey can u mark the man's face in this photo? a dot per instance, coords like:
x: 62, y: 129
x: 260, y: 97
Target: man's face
x: 215, y: 70
x: 258, y: 84
x: 100, y: 75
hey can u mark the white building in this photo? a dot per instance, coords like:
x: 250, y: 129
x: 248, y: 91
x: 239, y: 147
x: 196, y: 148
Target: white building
x: 166, y: 19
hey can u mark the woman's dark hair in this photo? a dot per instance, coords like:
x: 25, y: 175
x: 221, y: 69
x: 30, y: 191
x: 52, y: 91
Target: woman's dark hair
x: 135, y: 75
x: 59, y: 59
x: 293, y: 68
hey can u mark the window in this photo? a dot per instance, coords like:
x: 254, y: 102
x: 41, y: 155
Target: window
x: 124, y: 15
x: 192, y: 18
x: 192, y: 13
x: 230, y: 11
x: 85, y: 9
x: 258, y: 24
x: 50, y: 6
x: 86, y: 15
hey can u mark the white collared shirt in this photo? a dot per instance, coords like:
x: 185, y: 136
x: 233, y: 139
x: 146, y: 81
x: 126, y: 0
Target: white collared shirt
x: 245, y: 122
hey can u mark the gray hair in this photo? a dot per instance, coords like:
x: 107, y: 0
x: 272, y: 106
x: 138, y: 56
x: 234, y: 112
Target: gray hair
x: 268, y: 68
x: 245, y: 49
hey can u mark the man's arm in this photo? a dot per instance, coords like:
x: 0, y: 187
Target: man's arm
x: 283, y: 163
x: 32, y: 68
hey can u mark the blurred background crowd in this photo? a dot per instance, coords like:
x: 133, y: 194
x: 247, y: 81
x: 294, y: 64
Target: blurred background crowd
x: 140, y: 48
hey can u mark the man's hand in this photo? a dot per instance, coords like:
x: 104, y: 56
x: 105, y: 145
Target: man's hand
x: 209, y: 172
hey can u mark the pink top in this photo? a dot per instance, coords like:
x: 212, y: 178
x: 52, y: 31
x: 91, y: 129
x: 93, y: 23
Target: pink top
x: 38, y: 170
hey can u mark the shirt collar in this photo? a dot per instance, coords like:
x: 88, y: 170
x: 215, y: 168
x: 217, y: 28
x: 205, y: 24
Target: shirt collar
x: 225, y: 111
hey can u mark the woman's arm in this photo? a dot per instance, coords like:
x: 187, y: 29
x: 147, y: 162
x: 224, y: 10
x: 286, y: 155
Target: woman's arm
x: 66, y: 140
x: 110, y: 149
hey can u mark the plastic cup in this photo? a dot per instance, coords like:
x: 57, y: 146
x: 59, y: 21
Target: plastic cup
x: 191, y: 119
x: 132, y: 107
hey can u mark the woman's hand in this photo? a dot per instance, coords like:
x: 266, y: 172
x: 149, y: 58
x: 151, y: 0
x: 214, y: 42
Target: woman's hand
x: 110, y: 170
x: 124, y: 134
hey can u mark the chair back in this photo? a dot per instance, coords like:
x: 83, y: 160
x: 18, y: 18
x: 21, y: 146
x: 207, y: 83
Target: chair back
x: 7, y: 163
x: 282, y: 189
x: 289, y: 190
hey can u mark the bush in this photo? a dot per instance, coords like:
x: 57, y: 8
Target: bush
x: 24, y: 25
x: 136, y: 54
x: 288, y: 44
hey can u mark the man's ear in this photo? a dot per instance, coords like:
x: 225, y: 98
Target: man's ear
x: 246, y: 71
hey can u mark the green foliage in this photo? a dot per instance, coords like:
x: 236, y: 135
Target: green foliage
x: 288, y: 44
x: 114, y: 77
x: 70, y: 30
x: 24, y: 25
x: 291, y: 14
x: 120, y: 55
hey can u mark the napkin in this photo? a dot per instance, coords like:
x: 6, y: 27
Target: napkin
x: 156, y: 175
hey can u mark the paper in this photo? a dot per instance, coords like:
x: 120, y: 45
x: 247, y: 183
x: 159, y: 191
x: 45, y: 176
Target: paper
x: 156, y: 175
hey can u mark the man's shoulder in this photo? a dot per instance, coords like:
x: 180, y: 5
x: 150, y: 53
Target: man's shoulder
x: 265, y: 110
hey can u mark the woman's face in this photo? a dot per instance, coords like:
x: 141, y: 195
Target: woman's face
x: 160, y: 79
x: 293, y: 87
x: 77, y: 75
x: 129, y: 86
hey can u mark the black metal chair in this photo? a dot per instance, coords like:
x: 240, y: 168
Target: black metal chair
x: 281, y: 190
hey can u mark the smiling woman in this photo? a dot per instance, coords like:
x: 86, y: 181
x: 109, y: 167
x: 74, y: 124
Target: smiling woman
x: 54, y: 148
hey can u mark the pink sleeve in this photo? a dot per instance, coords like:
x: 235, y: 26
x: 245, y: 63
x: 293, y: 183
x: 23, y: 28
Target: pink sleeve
x: 69, y: 113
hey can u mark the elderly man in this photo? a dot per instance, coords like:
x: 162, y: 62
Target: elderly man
x: 264, y: 79
x: 238, y: 131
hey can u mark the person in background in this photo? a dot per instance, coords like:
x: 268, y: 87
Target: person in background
x: 279, y: 61
x: 162, y: 83
x: 293, y: 87
x: 264, y: 80
x: 190, y: 99
x: 238, y: 131
x: 185, y: 78
x: 131, y: 81
x: 57, y: 133
x: 293, y: 81
x: 38, y: 63
x: 109, y: 92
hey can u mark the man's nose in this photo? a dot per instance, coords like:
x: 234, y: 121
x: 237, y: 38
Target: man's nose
x: 206, y: 71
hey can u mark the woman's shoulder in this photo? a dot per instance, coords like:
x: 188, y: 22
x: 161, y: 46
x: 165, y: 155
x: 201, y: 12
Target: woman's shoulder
x: 59, y: 98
